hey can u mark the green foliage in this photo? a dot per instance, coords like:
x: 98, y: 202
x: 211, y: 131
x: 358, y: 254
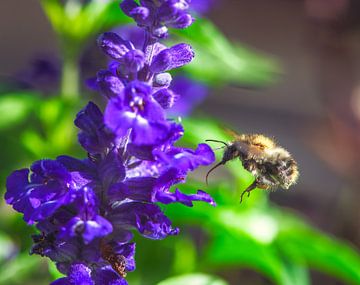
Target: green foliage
x: 76, y: 23
x: 193, y: 279
x: 15, y: 107
x: 218, y: 61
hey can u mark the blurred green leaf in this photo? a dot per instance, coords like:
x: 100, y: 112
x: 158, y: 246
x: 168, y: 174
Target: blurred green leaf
x: 185, y: 256
x: 14, y: 108
x: 314, y: 249
x: 7, y: 247
x: 55, y: 274
x: 193, y: 279
x: 76, y: 23
x: 22, y: 270
x: 218, y: 61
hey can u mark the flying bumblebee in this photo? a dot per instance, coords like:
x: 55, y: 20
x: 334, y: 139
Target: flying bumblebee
x: 272, y: 166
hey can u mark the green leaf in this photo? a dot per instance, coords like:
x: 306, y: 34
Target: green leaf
x: 185, y: 256
x: 76, y: 23
x: 249, y: 238
x: 218, y: 61
x: 14, y: 108
x: 7, y: 247
x: 314, y: 249
x: 19, y: 269
x: 193, y: 279
x: 54, y: 272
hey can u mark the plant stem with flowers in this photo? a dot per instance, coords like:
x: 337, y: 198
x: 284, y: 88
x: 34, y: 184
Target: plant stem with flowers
x: 86, y: 210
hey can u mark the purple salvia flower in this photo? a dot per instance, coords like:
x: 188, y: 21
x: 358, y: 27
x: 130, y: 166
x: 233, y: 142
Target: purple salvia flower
x: 156, y: 15
x: 87, y: 210
x: 192, y: 93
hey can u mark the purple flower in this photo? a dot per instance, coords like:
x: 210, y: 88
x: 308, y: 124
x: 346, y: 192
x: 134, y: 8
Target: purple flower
x: 78, y: 274
x: 38, y: 197
x: 171, y: 58
x: 135, y: 109
x: 156, y: 16
x: 108, y: 83
x: 131, y: 60
x: 192, y: 93
x: 87, y: 210
x: 95, y: 137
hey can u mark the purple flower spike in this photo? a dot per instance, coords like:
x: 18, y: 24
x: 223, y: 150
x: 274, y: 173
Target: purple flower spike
x: 171, y: 58
x: 86, y: 211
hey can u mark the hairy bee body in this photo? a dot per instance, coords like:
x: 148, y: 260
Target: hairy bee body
x: 272, y: 166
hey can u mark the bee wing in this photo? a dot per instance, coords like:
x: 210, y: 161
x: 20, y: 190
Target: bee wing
x: 232, y: 133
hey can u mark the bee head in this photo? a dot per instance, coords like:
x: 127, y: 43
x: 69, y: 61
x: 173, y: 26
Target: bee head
x: 231, y: 152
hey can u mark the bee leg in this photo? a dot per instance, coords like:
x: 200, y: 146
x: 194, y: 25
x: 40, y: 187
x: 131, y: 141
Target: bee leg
x: 251, y: 187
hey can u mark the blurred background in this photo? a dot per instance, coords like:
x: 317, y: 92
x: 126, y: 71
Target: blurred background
x: 285, y: 68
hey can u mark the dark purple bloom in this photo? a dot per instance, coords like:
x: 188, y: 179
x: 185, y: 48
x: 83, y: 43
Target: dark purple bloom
x: 87, y: 210
x: 94, y: 135
x: 38, y: 197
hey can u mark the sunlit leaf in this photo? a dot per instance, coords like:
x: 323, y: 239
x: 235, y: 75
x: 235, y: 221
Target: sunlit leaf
x: 19, y: 270
x: 193, y: 279
x: 15, y: 107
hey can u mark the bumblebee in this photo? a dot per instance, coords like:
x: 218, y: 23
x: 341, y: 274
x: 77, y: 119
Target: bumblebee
x: 272, y: 166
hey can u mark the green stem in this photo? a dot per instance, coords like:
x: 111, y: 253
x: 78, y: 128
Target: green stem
x: 70, y: 89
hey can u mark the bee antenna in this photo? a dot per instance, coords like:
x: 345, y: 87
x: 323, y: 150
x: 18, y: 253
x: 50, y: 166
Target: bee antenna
x: 217, y: 142
x: 216, y: 166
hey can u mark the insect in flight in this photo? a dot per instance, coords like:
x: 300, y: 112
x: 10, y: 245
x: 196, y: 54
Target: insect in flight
x: 272, y: 166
